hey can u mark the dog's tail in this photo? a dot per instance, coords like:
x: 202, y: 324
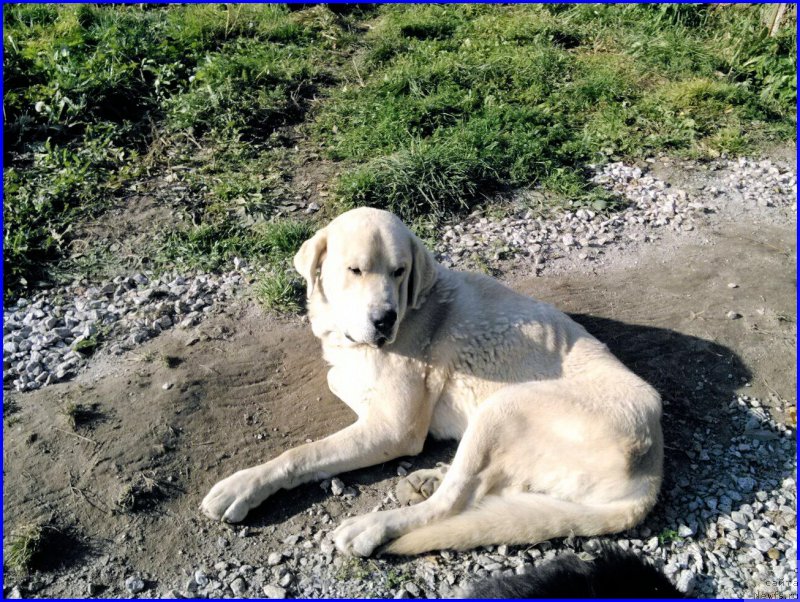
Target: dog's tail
x: 521, y: 518
x: 615, y: 573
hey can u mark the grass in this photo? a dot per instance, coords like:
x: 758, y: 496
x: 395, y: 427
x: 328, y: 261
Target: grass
x: 282, y: 289
x: 171, y: 361
x: 422, y: 109
x: 25, y: 544
x: 360, y: 569
x: 79, y: 414
x: 464, y: 100
x: 668, y: 536
x: 143, y: 492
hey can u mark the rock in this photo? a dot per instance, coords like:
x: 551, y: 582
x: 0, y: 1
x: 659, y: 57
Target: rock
x: 337, y: 487
x: 763, y: 545
x: 275, y: 559
x: 685, y: 531
x: 285, y: 580
x: 238, y: 586
x: 732, y: 315
x: 134, y: 585
x: 167, y: 386
x: 274, y: 591
x: 200, y: 578
x: 412, y: 588
x: 685, y: 582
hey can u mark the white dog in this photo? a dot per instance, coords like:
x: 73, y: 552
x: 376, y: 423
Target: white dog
x: 557, y: 436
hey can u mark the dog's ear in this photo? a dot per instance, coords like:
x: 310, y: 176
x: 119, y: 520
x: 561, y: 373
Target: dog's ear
x: 423, y: 273
x: 309, y: 257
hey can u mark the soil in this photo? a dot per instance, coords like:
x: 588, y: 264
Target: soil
x: 121, y: 488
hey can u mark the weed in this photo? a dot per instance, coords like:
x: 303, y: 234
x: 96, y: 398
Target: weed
x: 88, y: 345
x: 10, y: 407
x: 354, y: 569
x: 668, y: 536
x: 281, y: 291
x: 146, y: 357
x: 396, y: 578
x: 24, y: 546
x: 141, y: 493
x: 78, y: 414
x: 171, y: 361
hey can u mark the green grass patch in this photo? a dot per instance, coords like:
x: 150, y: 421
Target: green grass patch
x: 427, y: 109
x: 460, y: 100
x: 668, y: 536
x: 89, y: 89
x: 282, y: 289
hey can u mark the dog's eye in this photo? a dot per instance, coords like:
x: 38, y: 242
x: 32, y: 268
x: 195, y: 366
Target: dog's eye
x: 399, y: 272
x: 356, y: 271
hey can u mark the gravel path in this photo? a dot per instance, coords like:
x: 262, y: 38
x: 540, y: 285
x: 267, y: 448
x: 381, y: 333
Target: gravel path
x: 730, y: 532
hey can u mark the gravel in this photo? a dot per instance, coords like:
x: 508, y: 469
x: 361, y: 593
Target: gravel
x: 729, y: 532
x: 538, y: 236
x: 50, y: 337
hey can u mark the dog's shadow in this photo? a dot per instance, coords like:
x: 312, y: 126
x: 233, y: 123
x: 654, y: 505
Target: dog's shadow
x: 718, y: 453
x: 709, y: 439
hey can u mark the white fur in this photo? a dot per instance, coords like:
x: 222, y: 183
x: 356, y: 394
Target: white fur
x: 557, y: 436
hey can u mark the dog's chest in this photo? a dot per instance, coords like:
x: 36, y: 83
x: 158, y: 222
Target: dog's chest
x: 459, y: 399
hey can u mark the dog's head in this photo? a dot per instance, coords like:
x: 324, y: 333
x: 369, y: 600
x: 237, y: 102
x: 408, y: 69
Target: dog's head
x: 364, y: 272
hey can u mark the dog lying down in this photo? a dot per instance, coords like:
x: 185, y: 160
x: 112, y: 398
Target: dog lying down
x: 613, y: 574
x: 557, y: 436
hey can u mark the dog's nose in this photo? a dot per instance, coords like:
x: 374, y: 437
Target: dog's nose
x: 385, y: 321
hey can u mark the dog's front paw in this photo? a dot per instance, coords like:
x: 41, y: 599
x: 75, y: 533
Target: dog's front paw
x: 232, y: 498
x: 359, y: 536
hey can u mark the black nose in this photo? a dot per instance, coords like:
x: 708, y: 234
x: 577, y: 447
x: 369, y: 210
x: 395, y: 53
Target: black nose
x: 385, y: 322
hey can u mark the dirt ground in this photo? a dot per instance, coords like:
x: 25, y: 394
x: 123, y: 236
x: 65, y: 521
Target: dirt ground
x: 121, y: 489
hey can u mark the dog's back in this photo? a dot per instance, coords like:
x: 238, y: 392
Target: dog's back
x: 615, y: 573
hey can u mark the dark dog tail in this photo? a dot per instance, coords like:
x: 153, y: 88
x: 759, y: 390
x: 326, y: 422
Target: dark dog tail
x: 615, y: 573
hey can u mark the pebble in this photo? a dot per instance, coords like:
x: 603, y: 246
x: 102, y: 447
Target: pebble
x: 134, y: 585
x: 337, y: 487
x: 274, y: 591
x: 238, y: 586
x: 732, y: 315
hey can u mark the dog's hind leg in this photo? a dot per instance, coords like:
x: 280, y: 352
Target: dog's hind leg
x: 532, y: 465
x: 419, y: 485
